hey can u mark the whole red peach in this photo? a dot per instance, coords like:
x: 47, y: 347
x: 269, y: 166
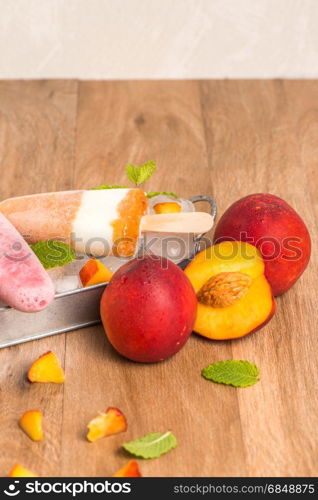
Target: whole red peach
x: 275, y: 228
x: 148, y: 309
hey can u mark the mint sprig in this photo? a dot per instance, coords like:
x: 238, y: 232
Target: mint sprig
x: 138, y: 175
x: 232, y: 372
x: 166, y: 193
x: 53, y: 253
x: 109, y: 186
x: 152, y: 445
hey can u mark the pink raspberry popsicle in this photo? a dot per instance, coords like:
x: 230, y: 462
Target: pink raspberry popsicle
x: 24, y: 283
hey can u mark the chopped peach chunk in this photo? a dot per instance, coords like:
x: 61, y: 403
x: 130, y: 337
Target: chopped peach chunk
x: 31, y: 423
x: 94, y: 272
x: 131, y: 469
x: 169, y: 207
x: 106, y: 424
x: 46, y: 369
x: 20, y: 471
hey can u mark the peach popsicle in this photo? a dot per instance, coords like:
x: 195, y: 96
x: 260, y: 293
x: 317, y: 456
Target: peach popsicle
x: 24, y: 283
x: 96, y: 222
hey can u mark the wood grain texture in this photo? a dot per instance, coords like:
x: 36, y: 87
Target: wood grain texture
x: 227, y: 138
x: 37, y: 133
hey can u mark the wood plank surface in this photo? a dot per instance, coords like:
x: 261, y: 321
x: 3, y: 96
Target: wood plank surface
x: 37, y: 133
x: 226, y: 138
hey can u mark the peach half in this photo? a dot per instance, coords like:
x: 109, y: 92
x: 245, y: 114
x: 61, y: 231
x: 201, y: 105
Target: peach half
x: 234, y: 297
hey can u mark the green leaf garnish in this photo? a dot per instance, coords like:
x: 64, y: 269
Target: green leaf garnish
x: 138, y: 175
x: 53, y: 253
x: 232, y: 372
x: 152, y: 445
x: 109, y: 186
x: 167, y: 193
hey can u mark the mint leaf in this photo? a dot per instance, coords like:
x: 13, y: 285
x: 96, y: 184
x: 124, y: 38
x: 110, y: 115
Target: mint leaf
x: 167, y: 193
x: 138, y: 175
x: 53, y: 253
x: 232, y: 372
x: 109, y: 186
x: 152, y: 445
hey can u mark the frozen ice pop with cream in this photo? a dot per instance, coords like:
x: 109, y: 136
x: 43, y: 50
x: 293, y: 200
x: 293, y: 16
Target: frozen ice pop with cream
x: 96, y: 222
x: 24, y: 283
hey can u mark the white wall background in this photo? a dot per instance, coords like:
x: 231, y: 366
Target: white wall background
x: 158, y: 38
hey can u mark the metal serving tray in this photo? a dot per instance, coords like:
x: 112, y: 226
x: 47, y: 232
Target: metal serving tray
x: 70, y: 310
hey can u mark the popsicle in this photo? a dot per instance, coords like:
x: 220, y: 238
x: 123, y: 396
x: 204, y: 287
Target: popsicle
x: 24, y: 283
x: 96, y: 222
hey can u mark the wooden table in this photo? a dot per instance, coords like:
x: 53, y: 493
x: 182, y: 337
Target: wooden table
x: 226, y: 138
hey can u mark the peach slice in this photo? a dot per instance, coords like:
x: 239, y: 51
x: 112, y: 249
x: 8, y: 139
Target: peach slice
x: 106, y: 424
x: 46, y: 369
x: 169, y: 207
x: 94, y: 272
x: 31, y: 424
x: 131, y: 469
x: 234, y: 297
x: 20, y: 471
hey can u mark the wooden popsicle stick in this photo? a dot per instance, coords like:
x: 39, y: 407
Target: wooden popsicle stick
x: 184, y: 222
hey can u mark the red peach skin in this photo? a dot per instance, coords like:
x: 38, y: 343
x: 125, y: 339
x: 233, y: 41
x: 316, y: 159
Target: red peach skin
x: 275, y: 228
x: 148, y: 309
